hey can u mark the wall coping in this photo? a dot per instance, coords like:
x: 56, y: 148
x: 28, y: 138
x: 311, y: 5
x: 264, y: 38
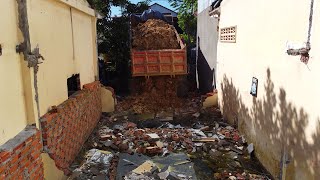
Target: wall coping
x: 77, y: 5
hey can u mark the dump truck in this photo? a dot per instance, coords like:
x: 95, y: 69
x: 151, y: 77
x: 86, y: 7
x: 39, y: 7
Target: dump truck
x: 152, y: 49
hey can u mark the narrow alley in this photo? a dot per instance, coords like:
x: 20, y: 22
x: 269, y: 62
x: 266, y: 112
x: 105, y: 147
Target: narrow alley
x: 159, y: 90
x: 184, y: 142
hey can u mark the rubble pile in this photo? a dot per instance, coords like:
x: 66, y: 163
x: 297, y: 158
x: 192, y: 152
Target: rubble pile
x: 97, y: 165
x: 154, y: 34
x: 169, y: 138
x: 188, y: 144
x: 173, y: 166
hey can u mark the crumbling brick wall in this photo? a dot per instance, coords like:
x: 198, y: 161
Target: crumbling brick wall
x: 20, y: 157
x: 66, y: 128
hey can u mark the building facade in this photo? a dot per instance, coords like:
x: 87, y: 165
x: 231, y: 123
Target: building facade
x: 264, y: 47
x: 36, y: 107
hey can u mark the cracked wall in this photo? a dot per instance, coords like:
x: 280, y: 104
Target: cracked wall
x: 13, y: 116
x: 20, y: 157
x: 66, y: 128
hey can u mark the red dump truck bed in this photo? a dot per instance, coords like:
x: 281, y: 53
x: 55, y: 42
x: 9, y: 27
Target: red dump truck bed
x: 159, y: 62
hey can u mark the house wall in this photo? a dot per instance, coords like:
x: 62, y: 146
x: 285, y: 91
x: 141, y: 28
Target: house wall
x: 65, y: 32
x: 65, y: 38
x: 13, y: 117
x: 207, y: 38
x: 161, y: 9
x: 284, y: 118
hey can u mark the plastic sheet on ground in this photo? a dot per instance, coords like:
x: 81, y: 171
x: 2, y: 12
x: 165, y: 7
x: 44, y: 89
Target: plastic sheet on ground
x: 96, y: 165
x: 176, y: 165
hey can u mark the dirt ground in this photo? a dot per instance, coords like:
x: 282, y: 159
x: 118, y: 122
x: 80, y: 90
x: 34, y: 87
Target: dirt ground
x: 154, y: 34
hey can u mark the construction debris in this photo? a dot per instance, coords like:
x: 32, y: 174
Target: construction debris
x: 146, y: 167
x: 176, y: 165
x: 148, y: 149
x: 250, y: 148
x: 96, y: 166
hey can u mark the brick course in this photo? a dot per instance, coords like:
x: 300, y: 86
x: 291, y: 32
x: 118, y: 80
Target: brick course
x: 65, y: 130
x: 20, y: 156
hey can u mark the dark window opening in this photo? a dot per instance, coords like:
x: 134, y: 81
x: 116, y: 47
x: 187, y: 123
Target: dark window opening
x: 73, y: 84
x: 0, y: 50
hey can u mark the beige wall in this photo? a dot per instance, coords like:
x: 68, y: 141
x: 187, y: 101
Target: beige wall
x: 13, y: 116
x: 51, y: 172
x: 65, y: 36
x: 108, y: 102
x: 285, y: 115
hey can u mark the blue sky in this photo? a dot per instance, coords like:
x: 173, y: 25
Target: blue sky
x: 116, y: 10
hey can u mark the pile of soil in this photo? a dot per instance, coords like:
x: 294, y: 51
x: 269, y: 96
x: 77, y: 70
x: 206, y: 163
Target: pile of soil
x: 153, y: 95
x: 154, y: 34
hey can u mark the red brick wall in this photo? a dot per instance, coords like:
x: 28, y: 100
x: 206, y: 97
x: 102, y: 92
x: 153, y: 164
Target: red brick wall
x: 20, y: 156
x: 66, y: 128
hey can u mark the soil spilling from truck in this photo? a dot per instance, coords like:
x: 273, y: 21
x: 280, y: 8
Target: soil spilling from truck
x: 154, y: 94
x: 154, y: 34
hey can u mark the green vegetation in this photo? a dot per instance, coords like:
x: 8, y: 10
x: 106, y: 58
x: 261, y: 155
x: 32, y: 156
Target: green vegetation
x: 186, y: 19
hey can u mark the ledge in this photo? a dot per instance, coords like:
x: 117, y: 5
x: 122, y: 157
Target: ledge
x: 77, y: 5
x: 215, y: 12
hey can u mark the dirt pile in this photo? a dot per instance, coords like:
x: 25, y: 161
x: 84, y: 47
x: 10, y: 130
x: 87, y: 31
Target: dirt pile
x: 154, y: 34
x: 153, y: 95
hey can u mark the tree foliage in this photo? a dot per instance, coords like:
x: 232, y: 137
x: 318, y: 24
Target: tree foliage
x: 131, y: 8
x: 114, y: 40
x: 104, y: 6
x: 113, y: 32
x: 186, y: 18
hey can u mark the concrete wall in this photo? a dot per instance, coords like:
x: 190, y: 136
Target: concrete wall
x: 65, y: 31
x: 108, y: 99
x: 66, y: 40
x: 284, y: 117
x: 207, y: 33
x: 13, y: 117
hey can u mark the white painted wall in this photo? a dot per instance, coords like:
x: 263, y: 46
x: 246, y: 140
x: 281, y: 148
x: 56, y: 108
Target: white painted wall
x: 207, y: 31
x: 285, y: 115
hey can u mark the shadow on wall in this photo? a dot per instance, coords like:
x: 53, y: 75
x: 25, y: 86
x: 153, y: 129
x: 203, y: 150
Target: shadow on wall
x: 205, y: 74
x: 276, y: 127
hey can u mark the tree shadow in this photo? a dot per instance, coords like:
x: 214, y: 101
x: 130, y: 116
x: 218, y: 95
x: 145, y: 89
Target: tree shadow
x: 205, y: 73
x: 277, y: 128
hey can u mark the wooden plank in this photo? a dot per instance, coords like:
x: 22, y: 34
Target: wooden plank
x: 208, y: 139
